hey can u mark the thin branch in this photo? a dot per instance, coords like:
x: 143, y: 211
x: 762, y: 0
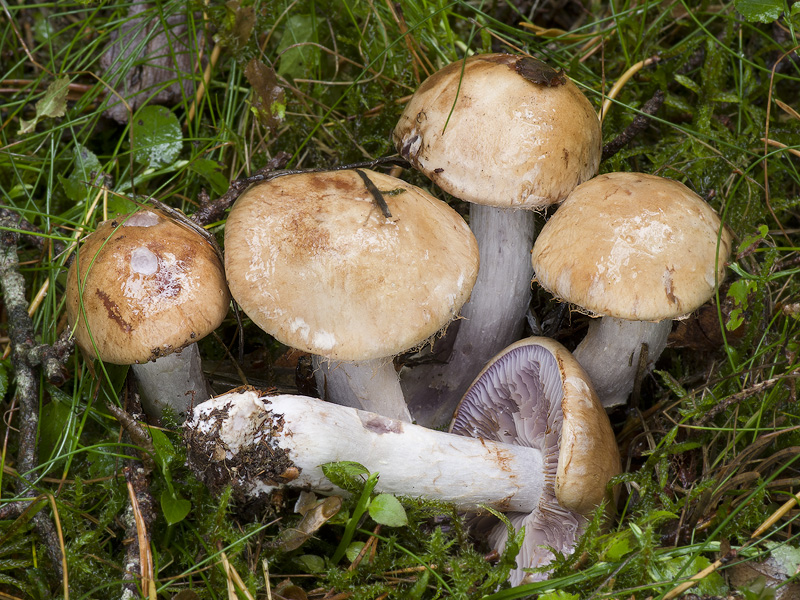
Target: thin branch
x: 26, y: 354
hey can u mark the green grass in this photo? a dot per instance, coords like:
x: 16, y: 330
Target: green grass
x: 692, y: 485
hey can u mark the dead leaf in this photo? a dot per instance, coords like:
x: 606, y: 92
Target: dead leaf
x: 52, y: 104
x: 268, y: 101
x: 315, y: 514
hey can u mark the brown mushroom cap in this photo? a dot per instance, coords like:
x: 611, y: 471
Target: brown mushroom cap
x: 534, y: 393
x: 313, y: 262
x: 632, y: 246
x: 510, y: 132
x: 150, y: 286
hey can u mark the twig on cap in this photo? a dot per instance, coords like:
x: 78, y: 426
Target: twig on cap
x: 376, y: 193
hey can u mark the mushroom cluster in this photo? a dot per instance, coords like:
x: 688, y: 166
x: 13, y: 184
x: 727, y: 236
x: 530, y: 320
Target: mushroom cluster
x: 354, y: 267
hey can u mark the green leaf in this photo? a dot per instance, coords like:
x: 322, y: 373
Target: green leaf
x: 121, y: 205
x: 54, y: 425
x: 348, y: 475
x: 763, y: 11
x: 676, y: 569
x: 387, y: 510
x: 165, y: 451
x: 688, y: 82
x: 212, y: 172
x: 358, y: 512
x: 353, y: 550
x: 165, y: 454
x: 620, y: 546
x: 739, y: 290
x: 559, y: 595
x: 157, y: 137
x: 85, y: 174
x: 3, y: 379
x: 52, y: 104
x: 299, y: 60
x: 312, y: 563
x: 174, y: 507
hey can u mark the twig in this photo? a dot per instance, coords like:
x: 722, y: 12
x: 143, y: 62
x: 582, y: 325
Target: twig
x: 141, y: 512
x: 26, y: 355
x: 640, y: 122
x: 744, y: 395
x: 35, y: 235
x: 139, y: 560
x: 213, y: 211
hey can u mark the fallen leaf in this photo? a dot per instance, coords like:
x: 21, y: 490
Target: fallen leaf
x: 52, y: 104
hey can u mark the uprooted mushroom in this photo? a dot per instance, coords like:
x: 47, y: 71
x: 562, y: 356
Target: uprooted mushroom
x: 530, y: 438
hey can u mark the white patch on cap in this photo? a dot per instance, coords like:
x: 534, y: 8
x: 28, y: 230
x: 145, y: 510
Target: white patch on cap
x: 143, y: 261
x: 144, y: 218
x: 324, y: 341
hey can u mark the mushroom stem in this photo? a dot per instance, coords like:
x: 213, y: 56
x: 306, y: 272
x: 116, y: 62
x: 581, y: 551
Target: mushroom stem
x: 610, y: 354
x: 256, y: 443
x: 175, y: 381
x: 492, y: 319
x: 371, y: 385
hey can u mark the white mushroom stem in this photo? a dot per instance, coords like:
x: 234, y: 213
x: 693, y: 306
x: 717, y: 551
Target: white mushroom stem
x: 256, y: 443
x: 610, y: 354
x: 175, y: 381
x: 492, y: 319
x: 371, y: 385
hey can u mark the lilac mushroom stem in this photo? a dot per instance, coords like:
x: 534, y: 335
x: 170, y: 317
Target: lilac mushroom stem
x: 367, y: 385
x: 610, y: 354
x: 175, y: 382
x: 492, y: 319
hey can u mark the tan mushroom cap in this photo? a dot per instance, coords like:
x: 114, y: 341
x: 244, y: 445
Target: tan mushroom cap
x: 632, y: 246
x: 313, y: 262
x: 150, y: 287
x: 496, y: 137
x: 567, y: 422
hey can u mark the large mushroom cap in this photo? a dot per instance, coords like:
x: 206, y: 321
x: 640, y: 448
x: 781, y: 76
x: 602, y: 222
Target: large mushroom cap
x: 502, y: 130
x: 535, y: 394
x: 632, y: 246
x: 148, y: 285
x: 312, y: 261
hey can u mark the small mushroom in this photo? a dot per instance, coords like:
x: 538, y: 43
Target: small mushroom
x: 313, y: 260
x: 510, y: 135
x: 638, y: 251
x: 142, y: 290
x: 530, y: 437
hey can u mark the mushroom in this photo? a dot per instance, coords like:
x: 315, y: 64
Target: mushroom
x: 314, y: 262
x: 503, y: 451
x: 638, y: 251
x: 510, y: 135
x: 535, y: 394
x: 148, y: 289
